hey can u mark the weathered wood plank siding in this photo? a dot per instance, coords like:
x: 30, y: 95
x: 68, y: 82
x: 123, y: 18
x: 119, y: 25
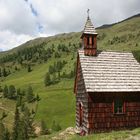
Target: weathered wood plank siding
x: 81, y: 98
x: 101, y: 117
x: 107, y: 87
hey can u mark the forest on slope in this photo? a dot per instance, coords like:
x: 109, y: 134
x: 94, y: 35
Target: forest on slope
x: 46, y: 68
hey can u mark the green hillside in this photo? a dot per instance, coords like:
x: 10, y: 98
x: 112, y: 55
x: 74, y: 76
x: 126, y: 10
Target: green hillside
x: 128, y: 32
x: 57, y: 100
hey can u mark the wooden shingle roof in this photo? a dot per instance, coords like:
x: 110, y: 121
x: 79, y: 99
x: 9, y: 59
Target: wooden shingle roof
x: 89, y: 28
x: 110, y: 72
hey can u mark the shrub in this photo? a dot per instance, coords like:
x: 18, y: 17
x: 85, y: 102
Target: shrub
x: 44, y: 129
x: 137, y: 55
x: 56, y: 127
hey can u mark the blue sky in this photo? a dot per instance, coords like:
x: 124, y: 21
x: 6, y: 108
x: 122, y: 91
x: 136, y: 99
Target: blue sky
x: 22, y: 20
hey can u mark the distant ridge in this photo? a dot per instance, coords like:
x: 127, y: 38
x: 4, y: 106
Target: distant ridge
x: 70, y: 37
x: 110, y: 25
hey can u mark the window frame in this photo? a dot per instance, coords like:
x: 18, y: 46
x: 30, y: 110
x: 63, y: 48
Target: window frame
x: 88, y: 40
x: 116, y: 101
x: 93, y: 40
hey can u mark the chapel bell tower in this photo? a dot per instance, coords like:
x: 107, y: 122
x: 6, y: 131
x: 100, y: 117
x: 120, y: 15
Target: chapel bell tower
x: 89, y: 38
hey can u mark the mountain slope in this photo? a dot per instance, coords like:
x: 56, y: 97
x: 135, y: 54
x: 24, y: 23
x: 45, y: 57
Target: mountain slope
x: 58, y: 101
x: 110, y: 25
x: 125, y: 27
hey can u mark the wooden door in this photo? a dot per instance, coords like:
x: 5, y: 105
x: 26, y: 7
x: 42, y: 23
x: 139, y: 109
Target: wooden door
x: 80, y: 114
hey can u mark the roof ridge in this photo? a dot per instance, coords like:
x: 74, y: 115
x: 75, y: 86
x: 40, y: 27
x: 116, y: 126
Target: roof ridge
x: 112, y: 51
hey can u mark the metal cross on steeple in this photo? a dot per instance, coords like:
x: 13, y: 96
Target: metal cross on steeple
x: 88, y: 13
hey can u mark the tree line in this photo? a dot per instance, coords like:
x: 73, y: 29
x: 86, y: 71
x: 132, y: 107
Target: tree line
x: 23, y: 126
x: 55, y: 74
x: 10, y: 92
x: 37, y: 53
x: 29, y: 56
x: 4, y: 72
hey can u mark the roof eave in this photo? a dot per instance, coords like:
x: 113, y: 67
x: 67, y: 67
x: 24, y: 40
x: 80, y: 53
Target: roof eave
x: 91, y: 92
x: 85, y: 33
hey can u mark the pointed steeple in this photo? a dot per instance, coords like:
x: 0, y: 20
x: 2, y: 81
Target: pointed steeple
x: 89, y: 28
x: 89, y: 38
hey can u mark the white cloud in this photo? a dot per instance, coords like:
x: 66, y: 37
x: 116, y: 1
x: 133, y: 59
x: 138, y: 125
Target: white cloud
x: 10, y: 40
x: 18, y: 21
x: 62, y: 16
x: 70, y: 15
x: 16, y: 16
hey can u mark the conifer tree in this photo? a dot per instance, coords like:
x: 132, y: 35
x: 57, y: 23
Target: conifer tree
x: 22, y: 107
x: 18, y: 92
x: 16, y: 124
x: 19, y: 100
x: 20, y: 129
x: 23, y: 129
x: 37, y: 98
x: 4, y: 72
x: 16, y: 68
x: 54, y: 79
x: 0, y: 72
x: 12, y: 92
x: 2, y: 130
x: 30, y: 95
x: 29, y: 68
x: 6, y: 134
x: 44, y: 129
x: 47, y: 80
x: 51, y: 69
x: 53, y: 126
x: 28, y: 123
x: 59, y: 76
x: 1, y: 89
x: 3, y: 115
x: 56, y: 127
x: 5, y: 91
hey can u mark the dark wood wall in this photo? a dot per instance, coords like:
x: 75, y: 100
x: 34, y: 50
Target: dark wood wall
x: 91, y: 48
x: 101, y: 117
x: 98, y: 113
